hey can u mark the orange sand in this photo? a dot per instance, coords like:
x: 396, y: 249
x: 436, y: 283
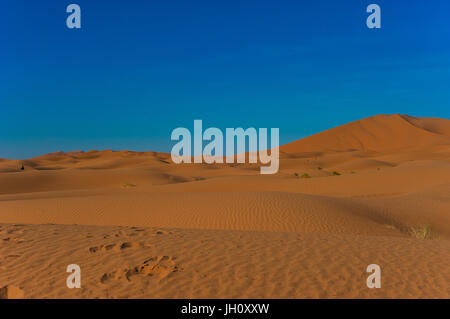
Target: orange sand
x: 140, y: 226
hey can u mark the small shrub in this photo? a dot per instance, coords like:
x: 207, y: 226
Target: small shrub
x: 128, y: 185
x: 305, y: 175
x: 319, y: 168
x: 296, y: 174
x: 334, y: 173
x: 423, y: 232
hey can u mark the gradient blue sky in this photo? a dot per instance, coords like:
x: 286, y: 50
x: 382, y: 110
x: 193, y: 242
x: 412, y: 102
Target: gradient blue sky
x: 138, y: 69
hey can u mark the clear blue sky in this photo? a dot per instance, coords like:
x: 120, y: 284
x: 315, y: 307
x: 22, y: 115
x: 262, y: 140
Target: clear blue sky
x: 138, y: 69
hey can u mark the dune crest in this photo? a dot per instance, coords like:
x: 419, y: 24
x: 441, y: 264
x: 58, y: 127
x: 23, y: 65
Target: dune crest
x: 377, y: 133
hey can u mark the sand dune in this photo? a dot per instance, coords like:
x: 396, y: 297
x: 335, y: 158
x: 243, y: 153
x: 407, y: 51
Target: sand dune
x: 371, y: 191
x: 377, y: 133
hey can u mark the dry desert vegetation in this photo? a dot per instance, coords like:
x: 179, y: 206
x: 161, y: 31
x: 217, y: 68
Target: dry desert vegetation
x: 374, y: 191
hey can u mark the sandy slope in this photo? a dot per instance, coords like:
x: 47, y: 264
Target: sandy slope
x: 184, y: 263
x: 141, y: 226
x: 377, y: 133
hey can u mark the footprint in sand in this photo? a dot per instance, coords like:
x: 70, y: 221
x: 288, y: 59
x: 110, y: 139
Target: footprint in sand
x: 16, y: 229
x: 163, y: 232
x: 135, y: 231
x: 119, y: 247
x: 12, y: 256
x: 17, y: 240
x: 119, y: 234
x: 96, y: 249
x: 157, y: 267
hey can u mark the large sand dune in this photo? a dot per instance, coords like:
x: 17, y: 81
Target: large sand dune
x: 377, y: 133
x: 141, y: 226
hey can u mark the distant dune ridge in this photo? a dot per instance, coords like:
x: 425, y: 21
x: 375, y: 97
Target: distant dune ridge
x: 377, y: 133
x: 375, y: 190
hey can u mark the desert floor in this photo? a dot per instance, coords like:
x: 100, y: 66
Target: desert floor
x: 140, y: 226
